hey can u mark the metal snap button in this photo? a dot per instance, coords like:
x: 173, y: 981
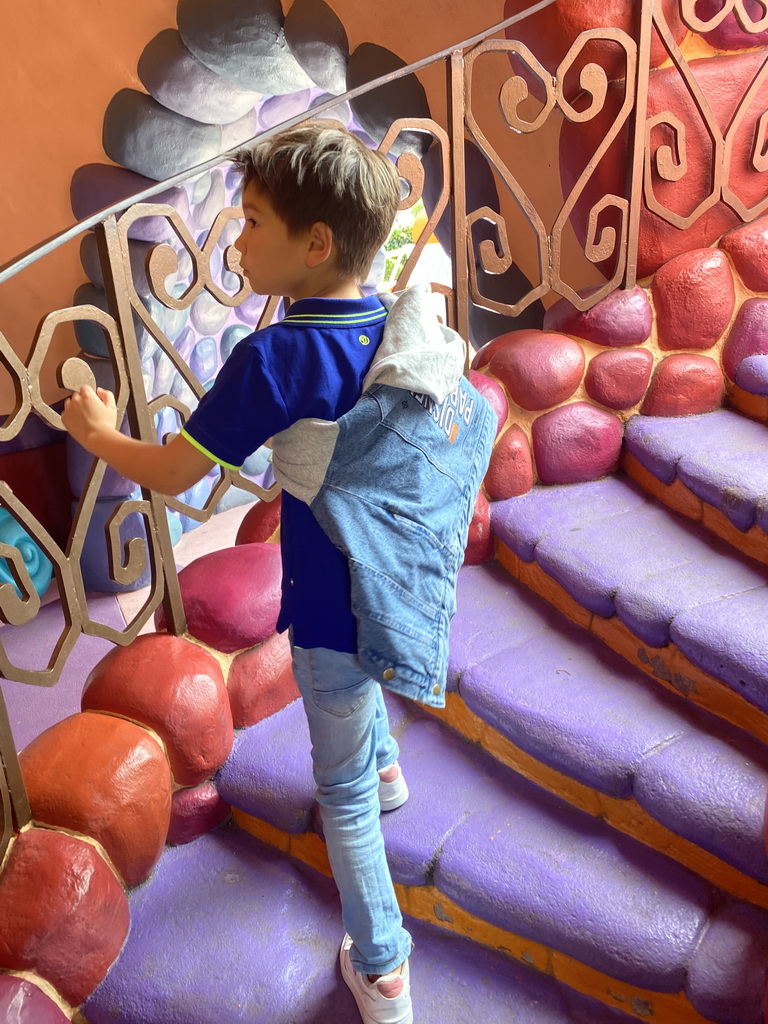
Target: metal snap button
x: 388, y: 673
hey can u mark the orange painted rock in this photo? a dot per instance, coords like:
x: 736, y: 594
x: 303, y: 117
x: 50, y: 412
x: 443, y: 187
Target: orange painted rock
x: 480, y: 539
x: 176, y: 688
x: 539, y: 370
x: 748, y: 336
x: 724, y: 81
x: 63, y: 913
x: 194, y: 812
x: 575, y: 443
x: 622, y: 318
x: 619, y: 379
x: 747, y: 245
x: 232, y: 596
x: 510, y: 472
x: 494, y: 392
x: 683, y: 385
x: 261, y: 682
x: 694, y: 296
x: 260, y: 524
x: 106, y: 778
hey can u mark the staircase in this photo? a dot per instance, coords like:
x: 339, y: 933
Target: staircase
x: 584, y: 842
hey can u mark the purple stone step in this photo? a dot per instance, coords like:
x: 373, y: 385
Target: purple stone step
x: 667, y: 579
x: 518, y: 857
x: 228, y: 931
x: 721, y: 456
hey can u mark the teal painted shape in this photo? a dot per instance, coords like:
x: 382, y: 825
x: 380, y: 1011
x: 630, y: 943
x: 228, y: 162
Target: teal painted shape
x: 39, y: 567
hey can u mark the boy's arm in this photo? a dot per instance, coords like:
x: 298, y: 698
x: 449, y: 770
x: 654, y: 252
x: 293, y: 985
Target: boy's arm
x: 171, y: 468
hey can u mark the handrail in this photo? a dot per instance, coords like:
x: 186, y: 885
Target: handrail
x: 31, y: 256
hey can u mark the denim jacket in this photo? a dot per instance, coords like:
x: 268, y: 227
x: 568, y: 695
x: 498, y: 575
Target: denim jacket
x: 393, y: 484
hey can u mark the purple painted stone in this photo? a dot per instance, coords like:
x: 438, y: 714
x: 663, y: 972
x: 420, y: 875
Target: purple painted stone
x: 734, y: 482
x: 558, y: 877
x: 21, y: 1002
x: 747, y: 245
x: 694, y: 297
x: 269, y: 772
x: 729, y: 35
x: 95, y: 186
x: 748, y: 335
x: 752, y: 374
x: 525, y: 521
x: 659, y: 442
x: 710, y: 793
x: 97, y: 557
x: 276, y: 109
x: 319, y: 43
x: 619, y: 379
x: 727, y: 977
x: 576, y: 443
x: 623, y: 318
x: 728, y: 638
x: 195, y: 811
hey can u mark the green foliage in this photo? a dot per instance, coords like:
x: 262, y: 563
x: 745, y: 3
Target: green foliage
x: 399, y: 237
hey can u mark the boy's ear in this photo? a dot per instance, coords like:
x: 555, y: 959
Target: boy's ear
x: 320, y: 244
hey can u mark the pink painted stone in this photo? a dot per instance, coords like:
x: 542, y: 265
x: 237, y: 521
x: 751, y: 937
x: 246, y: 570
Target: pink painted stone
x: 261, y: 682
x: 684, y: 385
x: 176, y: 688
x: 494, y: 392
x: 748, y: 336
x: 231, y: 597
x: 479, y: 539
x: 694, y: 296
x: 575, y: 443
x: 484, y: 355
x: 539, y: 370
x: 747, y: 245
x: 623, y: 318
x: 510, y: 472
x: 63, y: 913
x: 729, y: 35
x: 261, y: 523
x: 105, y: 778
x: 619, y: 379
x: 194, y: 812
x: 21, y: 1002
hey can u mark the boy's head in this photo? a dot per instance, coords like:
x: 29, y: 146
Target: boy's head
x: 319, y: 171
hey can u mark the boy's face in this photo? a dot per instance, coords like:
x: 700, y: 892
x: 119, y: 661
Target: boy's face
x: 273, y: 262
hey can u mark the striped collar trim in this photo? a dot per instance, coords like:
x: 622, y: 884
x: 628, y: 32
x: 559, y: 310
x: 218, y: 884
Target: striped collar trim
x: 336, y: 312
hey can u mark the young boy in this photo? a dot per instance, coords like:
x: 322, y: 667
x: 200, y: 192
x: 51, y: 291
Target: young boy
x: 378, y: 493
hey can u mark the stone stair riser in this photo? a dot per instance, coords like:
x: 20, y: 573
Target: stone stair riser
x: 754, y: 406
x: 429, y: 904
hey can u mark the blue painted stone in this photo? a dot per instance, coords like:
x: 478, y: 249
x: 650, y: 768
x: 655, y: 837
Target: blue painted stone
x: 230, y: 233
x: 243, y: 41
x: 177, y: 79
x: 95, y: 186
x: 319, y: 43
x: 181, y: 390
x: 208, y: 210
x: 276, y: 109
x: 90, y: 336
x: 38, y: 565
x: 525, y: 521
x: 170, y: 321
x: 752, y: 374
x: 80, y: 463
x: 375, y: 111
x: 95, y: 561
x: 89, y: 258
x: 250, y: 310
x: 204, y: 359
x: 164, y: 374
x: 231, y: 336
x: 174, y: 526
x: 196, y: 497
x: 728, y: 638
x: 200, y: 187
x: 709, y: 793
x: 235, y: 497
x: 207, y: 314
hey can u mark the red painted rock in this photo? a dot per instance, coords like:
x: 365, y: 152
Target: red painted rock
x: 694, y: 296
x: 479, y: 539
x: 539, y: 370
x: 21, y: 1002
x: 231, y: 597
x: 484, y: 355
x: 729, y: 35
x: 261, y: 682
x: 63, y: 913
x: 724, y: 81
x: 748, y: 336
x: 623, y: 318
x: 260, y: 524
x: 194, y: 812
x: 105, y: 778
x: 619, y: 379
x: 576, y: 442
x: 494, y: 392
x: 747, y: 246
x: 176, y: 688
x: 510, y: 472
x: 683, y: 385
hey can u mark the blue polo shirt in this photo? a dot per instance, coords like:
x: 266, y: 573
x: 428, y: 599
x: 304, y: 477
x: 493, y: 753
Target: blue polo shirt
x: 312, y: 363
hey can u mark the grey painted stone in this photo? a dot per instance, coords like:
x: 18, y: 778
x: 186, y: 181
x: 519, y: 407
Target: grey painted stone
x: 96, y: 186
x: 241, y: 131
x: 375, y: 111
x: 752, y: 374
x: 243, y: 41
x: 341, y: 112
x: 214, y: 202
x: 138, y: 252
x: 141, y: 134
x: 319, y: 43
x: 208, y: 314
x: 177, y: 80
x: 90, y: 336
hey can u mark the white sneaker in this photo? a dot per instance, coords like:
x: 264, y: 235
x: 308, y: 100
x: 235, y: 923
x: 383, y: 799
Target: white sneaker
x: 386, y: 1001
x: 394, y: 793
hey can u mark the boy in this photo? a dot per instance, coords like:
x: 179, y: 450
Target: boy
x: 378, y: 492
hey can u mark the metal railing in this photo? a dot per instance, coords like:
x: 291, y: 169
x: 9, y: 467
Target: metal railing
x: 611, y: 238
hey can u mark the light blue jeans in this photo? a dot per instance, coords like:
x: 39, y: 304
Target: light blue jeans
x: 351, y: 743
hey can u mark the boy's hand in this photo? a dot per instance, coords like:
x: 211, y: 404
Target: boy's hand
x: 89, y: 414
